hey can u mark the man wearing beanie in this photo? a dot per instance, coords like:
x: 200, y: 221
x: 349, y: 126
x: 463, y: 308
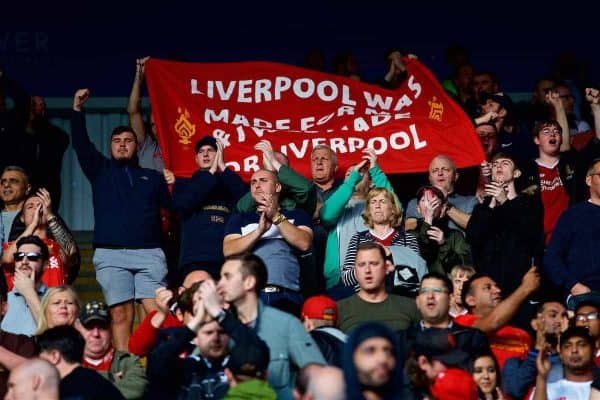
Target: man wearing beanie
x: 372, y: 362
x: 205, y: 201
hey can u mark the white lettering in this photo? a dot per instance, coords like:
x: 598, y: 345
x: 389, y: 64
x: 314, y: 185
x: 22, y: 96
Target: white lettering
x: 404, y: 101
x: 225, y: 95
x: 194, y: 87
x: 321, y: 91
x: 251, y: 163
x: 306, y: 123
x: 416, y: 141
x: 338, y: 146
x: 245, y: 88
x: 355, y: 143
x: 414, y: 86
x: 379, y: 149
x: 304, y: 94
x: 211, y: 116
x: 377, y: 101
x: 262, y: 90
x: 346, y: 96
x: 282, y: 84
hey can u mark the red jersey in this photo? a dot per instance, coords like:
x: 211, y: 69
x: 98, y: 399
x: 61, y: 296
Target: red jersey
x: 505, y: 343
x: 54, y: 274
x: 554, y: 197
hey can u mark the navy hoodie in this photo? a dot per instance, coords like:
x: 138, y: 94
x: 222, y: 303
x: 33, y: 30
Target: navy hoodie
x: 127, y: 198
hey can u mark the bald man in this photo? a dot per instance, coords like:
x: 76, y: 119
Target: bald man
x: 33, y: 379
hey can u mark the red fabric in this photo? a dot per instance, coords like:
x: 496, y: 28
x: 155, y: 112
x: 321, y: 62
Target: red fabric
x: 144, y: 338
x: 104, y: 366
x: 297, y: 109
x: 505, y: 343
x: 554, y: 198
x: 386, y: 241
x: 454, y: 384
x: 54, y: 274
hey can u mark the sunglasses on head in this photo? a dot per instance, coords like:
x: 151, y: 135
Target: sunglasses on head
x: 31, y: 256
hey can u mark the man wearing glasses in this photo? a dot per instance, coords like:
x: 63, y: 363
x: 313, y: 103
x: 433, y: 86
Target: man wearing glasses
x: 587, y: 315
x: 24, y: 300
x: 433, y: 303
x: 373, y: 302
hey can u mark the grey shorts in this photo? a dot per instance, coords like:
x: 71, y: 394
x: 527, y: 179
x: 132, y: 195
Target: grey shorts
x: 126, y: 274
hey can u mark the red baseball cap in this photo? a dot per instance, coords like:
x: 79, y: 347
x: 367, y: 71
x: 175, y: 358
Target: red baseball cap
x: 454, y: 384
x: 320, y: 307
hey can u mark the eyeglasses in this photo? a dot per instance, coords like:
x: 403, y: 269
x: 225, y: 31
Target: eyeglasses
x: 435, y: 290
x: 586, y: 317
x: 31, y: 256
x: 548, y: 132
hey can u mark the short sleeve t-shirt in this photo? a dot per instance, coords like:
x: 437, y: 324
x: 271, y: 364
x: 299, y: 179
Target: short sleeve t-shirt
x: 554, y: 197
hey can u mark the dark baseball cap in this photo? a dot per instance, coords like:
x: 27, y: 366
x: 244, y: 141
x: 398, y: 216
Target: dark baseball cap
x: 439, y: 344
x: 205, y: 141
x: 94, y: 311
x: 249, y: 358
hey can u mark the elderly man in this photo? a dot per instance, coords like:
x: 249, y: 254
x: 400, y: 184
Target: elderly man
x: 443, y: 175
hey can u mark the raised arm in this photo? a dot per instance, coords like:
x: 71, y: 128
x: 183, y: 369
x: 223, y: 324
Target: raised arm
x: 593, y: 97
x: 553, y: 98
x: 134, y: 106
x: 89, y: 157
x: 508, y: 307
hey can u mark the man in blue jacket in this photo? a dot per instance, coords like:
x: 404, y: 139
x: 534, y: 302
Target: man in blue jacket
x: 206, y: 201
x: 130, y: 264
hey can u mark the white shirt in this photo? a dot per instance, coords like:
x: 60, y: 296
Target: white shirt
x: 567, y: 390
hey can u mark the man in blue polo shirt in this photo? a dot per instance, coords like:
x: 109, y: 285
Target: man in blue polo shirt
x: 274, y: 235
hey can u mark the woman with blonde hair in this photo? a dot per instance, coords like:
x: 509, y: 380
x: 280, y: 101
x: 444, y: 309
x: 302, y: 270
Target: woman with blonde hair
x: 383, y: 217
x: 59, y: 306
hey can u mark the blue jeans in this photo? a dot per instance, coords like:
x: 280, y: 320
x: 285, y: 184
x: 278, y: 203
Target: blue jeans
x: 285, y: 300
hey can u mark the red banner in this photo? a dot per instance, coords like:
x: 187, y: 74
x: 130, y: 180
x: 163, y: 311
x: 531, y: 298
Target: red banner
x: 297, y: 109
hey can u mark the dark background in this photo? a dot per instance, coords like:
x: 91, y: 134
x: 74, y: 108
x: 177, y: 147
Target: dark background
x: 55, y: 47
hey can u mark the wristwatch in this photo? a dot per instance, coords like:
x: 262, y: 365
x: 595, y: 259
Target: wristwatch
x: 279, y: 219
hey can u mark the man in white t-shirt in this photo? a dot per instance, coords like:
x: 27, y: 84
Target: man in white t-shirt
x: 577, y: 349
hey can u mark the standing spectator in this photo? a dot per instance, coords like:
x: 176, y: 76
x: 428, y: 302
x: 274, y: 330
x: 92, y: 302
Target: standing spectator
x: 48, y: 146
x: 242, y: 279
x: 148, y: 150
x: 14, y: 187
x: 342, y: 212
x: 572, y: 260
x: 206, y: 201
x: 372, y: 302
x: 373, y: 362
x: 276, y: 236
x: 383, y: 217
x: 443, y: 175
x: 505, y: 230
x: 130, y: 264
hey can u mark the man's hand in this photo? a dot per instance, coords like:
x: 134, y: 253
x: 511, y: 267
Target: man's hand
x: 163, y: 296
x: 579, y: 288
x: 497, y: 190
x: 212, y: 300
x: 80, y: 98
x: 542, y: 364
x: 220, y: 155
x: 24, y: 284
x: 264, y: 223
x: 169, y: 176
x: 437, y: 235
x: 430, y: 204
x: 199, y: 312
x: 44, y: 196
x: 140, y: 66
x: 592, y: 95
x: 214, y: 165
x: 266, y: 148
x: 553, y: 98
x: 370, y: 156
x: 531, y: 280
